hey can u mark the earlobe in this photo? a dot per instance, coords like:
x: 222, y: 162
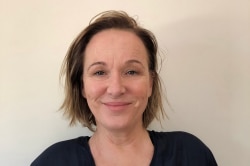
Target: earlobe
x: 151, y: 85
x: 83, y: 93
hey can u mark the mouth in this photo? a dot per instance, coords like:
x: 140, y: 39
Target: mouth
x: 116, y: 106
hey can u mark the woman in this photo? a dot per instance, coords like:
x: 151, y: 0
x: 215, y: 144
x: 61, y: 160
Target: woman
x: 113, y: 88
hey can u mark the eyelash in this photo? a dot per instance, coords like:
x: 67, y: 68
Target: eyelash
x: 99, y: 73
x: 129, y: 72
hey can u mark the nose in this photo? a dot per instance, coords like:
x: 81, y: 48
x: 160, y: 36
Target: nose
x: 116, y: 86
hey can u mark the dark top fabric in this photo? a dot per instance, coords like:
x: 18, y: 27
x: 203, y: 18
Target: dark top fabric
x: 170, y: 149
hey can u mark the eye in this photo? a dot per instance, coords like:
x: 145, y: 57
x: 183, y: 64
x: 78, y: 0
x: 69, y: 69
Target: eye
x: 131, y: 72
x: 99, y: 73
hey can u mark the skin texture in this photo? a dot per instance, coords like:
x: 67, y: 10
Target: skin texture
x: 117, y: 84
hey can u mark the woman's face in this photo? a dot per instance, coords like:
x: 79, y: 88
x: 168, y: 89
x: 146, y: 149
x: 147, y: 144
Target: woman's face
x: 117, y: 81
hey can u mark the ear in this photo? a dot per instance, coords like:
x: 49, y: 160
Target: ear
x: 82, y: 86
x: 151, y: 82
x: 83, y: 92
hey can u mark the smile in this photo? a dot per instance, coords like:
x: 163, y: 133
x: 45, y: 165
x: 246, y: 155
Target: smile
x: 116, y: 106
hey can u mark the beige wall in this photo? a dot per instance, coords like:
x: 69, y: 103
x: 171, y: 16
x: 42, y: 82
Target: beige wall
x: 206, y: 71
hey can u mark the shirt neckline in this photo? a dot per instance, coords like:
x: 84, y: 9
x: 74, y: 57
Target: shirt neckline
x: 92, y: 161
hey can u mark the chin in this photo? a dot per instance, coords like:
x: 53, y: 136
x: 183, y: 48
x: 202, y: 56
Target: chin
x: 116, y: 125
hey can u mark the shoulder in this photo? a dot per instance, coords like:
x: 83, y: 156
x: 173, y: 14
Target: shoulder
x: 182, y: 146
x: 64, y: 152
x: 175, y: 137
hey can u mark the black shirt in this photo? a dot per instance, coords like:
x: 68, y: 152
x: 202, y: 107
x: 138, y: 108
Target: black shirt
x: 170, y: 149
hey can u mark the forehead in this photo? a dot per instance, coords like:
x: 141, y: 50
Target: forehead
x: 123, y: 43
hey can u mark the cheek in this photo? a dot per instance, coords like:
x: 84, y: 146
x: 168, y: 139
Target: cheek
x: 146, y: 87
x: 91, y: 91
x: 142, y: 90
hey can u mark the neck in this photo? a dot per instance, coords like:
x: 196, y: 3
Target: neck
x: 131, y: 147
x: 119, y: 138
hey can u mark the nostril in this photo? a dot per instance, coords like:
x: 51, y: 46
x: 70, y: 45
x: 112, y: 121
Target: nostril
x: 116, y: 88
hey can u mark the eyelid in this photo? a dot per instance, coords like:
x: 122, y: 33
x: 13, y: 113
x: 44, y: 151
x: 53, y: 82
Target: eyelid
x: 133, y: 72
x: 129, y: 72
x: 99, y: 73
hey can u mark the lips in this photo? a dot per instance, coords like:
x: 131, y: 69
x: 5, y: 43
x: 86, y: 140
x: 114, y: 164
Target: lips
x: 117, y: 106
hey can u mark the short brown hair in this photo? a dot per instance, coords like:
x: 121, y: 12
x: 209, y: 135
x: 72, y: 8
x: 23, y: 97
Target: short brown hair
x: 75, y: 105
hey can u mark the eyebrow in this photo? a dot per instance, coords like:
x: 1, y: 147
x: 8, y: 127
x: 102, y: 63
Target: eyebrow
x: 127, y: 62
x: 134, y: 61
x: 97, y: 63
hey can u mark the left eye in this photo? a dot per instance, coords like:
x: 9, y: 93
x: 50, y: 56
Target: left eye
x: 131, y: 72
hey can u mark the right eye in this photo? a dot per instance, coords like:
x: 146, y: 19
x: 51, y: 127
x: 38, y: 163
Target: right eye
x: 99, y: 73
